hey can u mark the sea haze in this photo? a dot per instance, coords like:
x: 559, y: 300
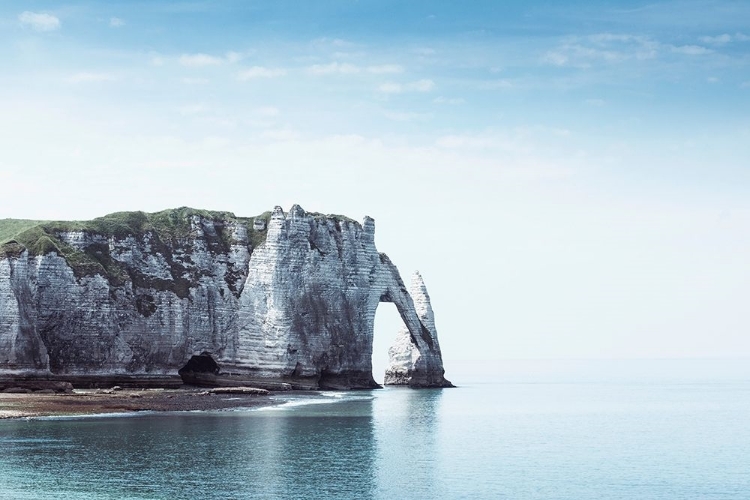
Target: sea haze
x: 543, y: 429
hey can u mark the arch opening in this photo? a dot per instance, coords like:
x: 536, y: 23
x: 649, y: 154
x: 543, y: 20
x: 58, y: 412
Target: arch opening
x: 387, y: 323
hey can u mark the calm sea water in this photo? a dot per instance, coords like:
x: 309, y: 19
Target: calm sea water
x: 571, y: 430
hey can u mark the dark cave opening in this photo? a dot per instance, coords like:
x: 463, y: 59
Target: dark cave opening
x: 199, y: 370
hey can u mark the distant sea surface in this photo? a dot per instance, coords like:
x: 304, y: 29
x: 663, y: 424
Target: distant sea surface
x: 517, y: 430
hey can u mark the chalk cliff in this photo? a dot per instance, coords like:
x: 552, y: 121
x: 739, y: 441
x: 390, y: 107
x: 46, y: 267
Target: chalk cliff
x: 278, y: 300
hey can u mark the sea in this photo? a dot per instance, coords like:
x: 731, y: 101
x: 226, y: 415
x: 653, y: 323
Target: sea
x: 542, y: 429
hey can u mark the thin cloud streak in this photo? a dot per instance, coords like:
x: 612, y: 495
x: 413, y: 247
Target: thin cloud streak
x: 89, y: 77
x: 256, y: 72
x: 424, y: 85
x: 200, y: 59
x: 351, y: 69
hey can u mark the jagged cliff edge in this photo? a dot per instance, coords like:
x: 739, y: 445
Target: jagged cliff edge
x: 279, y: 300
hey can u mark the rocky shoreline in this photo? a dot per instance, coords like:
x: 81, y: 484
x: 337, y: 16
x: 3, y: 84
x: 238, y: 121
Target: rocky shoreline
x: 80, y: 402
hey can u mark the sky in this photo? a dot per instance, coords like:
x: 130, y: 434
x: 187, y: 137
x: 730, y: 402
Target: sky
x: 572, y: 179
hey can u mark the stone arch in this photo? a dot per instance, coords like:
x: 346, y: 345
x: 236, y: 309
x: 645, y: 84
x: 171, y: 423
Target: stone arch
x: 415, y: 358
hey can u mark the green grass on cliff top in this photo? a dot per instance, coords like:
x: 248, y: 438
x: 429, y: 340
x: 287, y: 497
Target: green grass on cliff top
x: 11, y: 227
x: 169, y: 225
x: 40, y: 237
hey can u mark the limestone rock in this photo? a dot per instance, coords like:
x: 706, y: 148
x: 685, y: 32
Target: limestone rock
x: 416, y: 360
x: 253, y: 391
x: 133, y: 298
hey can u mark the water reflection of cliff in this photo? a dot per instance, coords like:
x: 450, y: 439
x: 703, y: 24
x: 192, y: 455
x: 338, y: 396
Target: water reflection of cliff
x: 319, y: 451
x: 406, y: 426
x: 378, y: 444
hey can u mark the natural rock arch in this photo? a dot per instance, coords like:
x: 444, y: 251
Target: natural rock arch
x: 135, y: 296
x: 415, y: 358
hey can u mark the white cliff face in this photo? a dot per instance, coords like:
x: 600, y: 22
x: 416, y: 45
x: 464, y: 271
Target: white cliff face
x: 298, y: 308
x: 21, y: 349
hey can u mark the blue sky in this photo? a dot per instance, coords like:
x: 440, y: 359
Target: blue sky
x: 571, y: 178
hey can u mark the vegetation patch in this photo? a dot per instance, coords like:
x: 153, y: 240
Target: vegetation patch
x: 11, y: 227
x: 168, y: 230
x: 256, y: 238
x: 334, y: 217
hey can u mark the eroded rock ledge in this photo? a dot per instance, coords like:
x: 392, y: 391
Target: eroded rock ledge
x: 281, y: 300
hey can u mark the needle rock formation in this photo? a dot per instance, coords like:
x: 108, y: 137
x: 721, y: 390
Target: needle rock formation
x: 282, y: 300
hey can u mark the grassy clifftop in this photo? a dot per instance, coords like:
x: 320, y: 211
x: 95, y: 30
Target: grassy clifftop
x: 168, y: 229
x: 11, y: 227
x: 169, y: 226
x: 172, y: 224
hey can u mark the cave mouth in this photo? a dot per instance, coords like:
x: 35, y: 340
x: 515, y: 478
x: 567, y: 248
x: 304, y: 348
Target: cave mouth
x: 200, y: 369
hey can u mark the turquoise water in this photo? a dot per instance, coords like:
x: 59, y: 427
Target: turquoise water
x: 572, y: 432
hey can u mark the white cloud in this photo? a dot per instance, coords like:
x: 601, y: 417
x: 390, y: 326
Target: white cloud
x: 496, y: 84
x: 199, y: 60
x: 39, y: 21
x: 233, y: 57
x: 157, y: 61
x: 332, y: 42
x: 340, y: 54
x: 424, y: 51
x: 260, y: 72
x: 116, y: 22
x: 385, y: 68
x: 333, y: 68
x: 193, y: 109
x: 350, y: 69
x: 280, y: 135
x: 712, y: 79
x: 268, y: 111
x: 555, y: 58
x: 521, y: 140
x: 466, y: 141
x: 423, y: 85
x: 596, y: 102
x: 448, y: 100
x: 725, y: 38
x: 605, y: 38
x: 583, y: 52
x: 403, y: 116
x: 717, y: 40
x: 691, y: 50
x: 391, y: 88
x: 88, y: 77
x: 194, y: 81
